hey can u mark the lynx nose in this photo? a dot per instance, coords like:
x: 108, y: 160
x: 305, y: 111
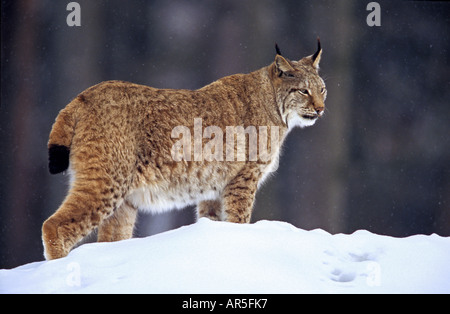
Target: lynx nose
x: 319, y: 109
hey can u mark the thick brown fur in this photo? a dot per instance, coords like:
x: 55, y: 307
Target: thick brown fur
x: 118, y: 138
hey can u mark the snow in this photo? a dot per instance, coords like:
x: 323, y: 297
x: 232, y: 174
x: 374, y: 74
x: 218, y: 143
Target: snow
x: 264, y: 257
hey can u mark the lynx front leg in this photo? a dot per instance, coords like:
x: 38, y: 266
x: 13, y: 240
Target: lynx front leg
x: 239, y: 195
x: 118, y: 226
x: 211, y: 209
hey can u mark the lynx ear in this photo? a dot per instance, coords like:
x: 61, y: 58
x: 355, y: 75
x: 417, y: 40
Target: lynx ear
x: 283, y: 65
x: 316, y: 57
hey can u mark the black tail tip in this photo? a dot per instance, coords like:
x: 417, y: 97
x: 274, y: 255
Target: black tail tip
x: 58, y: 158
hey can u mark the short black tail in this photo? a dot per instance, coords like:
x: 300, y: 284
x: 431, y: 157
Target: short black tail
x: 60, y: 139
x: 58, y: 158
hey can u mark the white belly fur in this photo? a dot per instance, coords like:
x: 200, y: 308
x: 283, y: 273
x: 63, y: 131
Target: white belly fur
x: 154, y: 199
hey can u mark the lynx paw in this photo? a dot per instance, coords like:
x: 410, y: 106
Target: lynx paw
x: 53, y: 246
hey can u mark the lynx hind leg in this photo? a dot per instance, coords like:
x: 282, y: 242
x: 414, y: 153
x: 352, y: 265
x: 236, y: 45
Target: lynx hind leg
x: 84, y: 209
x: 211, y: 209
x: 118, y: 226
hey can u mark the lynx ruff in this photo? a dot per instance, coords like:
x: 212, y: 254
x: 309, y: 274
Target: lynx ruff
x: 121, y: 143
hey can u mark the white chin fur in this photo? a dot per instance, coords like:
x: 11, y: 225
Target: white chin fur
x: 296, y: 120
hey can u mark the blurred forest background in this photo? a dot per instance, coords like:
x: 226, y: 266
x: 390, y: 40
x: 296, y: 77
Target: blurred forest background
x: 378, y: 160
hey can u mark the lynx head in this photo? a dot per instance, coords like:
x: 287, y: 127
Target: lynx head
x: 300, y: 91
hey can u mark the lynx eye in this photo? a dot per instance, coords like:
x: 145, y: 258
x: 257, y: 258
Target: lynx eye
x: 303, y: 91
x: 322, y: 91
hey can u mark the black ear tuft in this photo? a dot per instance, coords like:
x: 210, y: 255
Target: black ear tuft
x: 319, y: 48
x: 277, y: 49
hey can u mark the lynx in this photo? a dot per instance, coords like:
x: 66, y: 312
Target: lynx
x: 116, y: 140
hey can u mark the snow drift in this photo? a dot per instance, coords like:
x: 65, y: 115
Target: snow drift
x: 264, y: 257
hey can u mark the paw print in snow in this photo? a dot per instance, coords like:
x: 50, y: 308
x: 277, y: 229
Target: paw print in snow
x: 348, y: 267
